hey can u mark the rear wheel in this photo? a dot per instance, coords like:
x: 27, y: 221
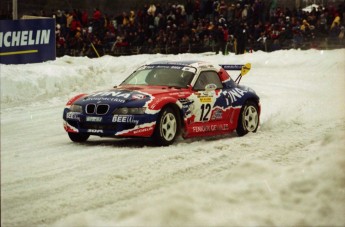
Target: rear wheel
x: 248, y: 120
x: 78, y: 137
x: 167, y: 127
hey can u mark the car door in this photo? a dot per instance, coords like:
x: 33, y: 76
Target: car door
x: 206, y: 92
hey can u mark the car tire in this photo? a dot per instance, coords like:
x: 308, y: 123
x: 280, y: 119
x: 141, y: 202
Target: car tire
x: 248, y: 120
x: 78, y: 137
x: 167, y: 127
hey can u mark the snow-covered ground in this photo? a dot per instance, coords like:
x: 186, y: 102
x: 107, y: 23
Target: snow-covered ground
x: 290, y: 173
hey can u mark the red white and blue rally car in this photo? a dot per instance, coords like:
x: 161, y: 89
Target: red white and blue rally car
x: 165, y: 99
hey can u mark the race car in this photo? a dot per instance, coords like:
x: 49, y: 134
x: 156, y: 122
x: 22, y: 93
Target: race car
x: 164, y: 100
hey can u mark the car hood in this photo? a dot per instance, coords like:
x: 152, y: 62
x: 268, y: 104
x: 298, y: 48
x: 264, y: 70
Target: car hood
x: 126, y: 94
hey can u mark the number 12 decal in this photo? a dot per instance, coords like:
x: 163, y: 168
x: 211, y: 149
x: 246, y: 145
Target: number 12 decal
x: 205, y: 109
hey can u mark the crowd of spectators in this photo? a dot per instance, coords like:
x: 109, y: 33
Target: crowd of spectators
x: 198, y: 26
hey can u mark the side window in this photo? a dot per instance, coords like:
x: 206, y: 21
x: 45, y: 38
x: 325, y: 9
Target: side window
x: 207, y: 77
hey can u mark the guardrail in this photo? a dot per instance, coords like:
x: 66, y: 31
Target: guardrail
x: 323, y: 44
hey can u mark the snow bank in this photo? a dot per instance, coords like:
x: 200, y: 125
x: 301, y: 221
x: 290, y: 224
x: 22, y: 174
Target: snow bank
x: 69, y: 75
x: 65, y: 76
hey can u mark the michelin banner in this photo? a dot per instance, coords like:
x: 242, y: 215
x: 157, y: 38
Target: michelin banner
x: 27, y: 41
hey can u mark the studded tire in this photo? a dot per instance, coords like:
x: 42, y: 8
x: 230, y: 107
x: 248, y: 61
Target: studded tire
x: 78, y: 137
x: 248, y: 120
x: 167, y: 127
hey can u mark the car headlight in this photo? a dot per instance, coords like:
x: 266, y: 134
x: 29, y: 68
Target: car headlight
x: 125, y: 110
x: 76, y: 108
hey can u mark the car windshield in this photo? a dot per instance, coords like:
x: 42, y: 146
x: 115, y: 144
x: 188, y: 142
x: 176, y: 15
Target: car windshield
x: 174, y: 76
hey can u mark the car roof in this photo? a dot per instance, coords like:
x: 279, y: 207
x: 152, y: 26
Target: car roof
x: 192, y: 63
x: 184, y: 63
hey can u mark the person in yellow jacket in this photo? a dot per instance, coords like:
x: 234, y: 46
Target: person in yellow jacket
x: 335, y: 22
x: 305, y: 25
x: 131, y: 17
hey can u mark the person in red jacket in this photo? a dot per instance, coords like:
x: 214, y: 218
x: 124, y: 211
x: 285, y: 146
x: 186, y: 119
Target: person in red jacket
x: 97, y: 21
x: 85, y: 18
x: 97, y: 14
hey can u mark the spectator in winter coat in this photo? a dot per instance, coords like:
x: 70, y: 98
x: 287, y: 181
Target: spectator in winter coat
x: 97, y: 23
x: 241, y: 35
x: 69, y: 18
x: 97, y: 14
x: 74, y: 25
x: 334, y: 33
x: 151, y: 10
x: 131, y: 17
x: 335, y: 22
x: 220, y: 38
x: 305, y: 25
x: 125, y: 19
x: 85, y: 18
x: 58, y: 17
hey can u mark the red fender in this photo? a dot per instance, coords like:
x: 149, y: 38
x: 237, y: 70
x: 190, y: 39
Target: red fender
x: 159, y: 102
x: 75, y: 98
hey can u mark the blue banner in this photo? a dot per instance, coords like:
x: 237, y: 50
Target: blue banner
x: 27, y: 41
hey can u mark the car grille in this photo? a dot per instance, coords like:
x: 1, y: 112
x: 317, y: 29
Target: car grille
x: 99, y: 109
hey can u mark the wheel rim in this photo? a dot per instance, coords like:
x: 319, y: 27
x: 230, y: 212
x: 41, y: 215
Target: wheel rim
x: 250, y: 118
x: 168, y: 126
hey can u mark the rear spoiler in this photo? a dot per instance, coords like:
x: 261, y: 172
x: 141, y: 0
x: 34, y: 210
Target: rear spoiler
x: 243, y: 68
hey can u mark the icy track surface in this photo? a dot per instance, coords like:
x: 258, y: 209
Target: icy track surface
x: 290, y: 173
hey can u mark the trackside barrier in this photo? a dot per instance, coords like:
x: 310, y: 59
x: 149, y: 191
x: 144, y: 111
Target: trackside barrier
x: 27, y: 41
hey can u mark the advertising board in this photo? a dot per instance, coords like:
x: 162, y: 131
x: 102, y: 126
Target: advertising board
x: 27, y: 41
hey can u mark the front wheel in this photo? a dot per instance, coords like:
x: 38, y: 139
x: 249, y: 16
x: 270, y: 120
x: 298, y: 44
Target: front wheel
x: 248, y: 120
x: 78, y: 137
x: 167, y: 127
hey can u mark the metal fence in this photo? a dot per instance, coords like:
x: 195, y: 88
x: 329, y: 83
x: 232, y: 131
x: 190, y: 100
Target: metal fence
x: 268, y: 46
